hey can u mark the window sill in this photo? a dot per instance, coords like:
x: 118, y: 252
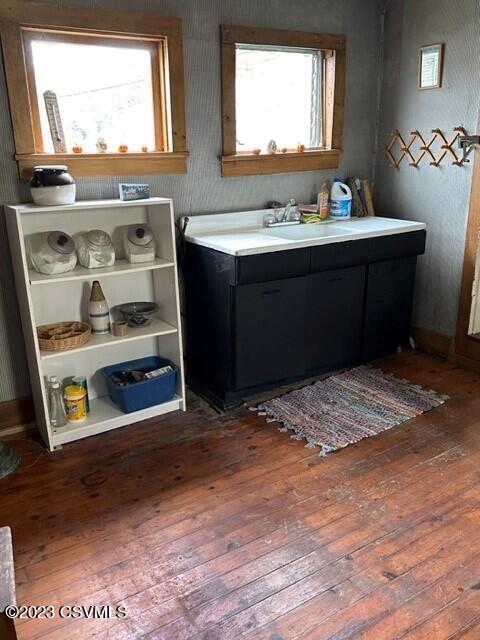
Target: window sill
x: 248, y: 164
x: 107, y: 164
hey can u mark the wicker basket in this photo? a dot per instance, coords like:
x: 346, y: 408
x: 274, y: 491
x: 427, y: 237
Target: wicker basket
x: 62, y: 336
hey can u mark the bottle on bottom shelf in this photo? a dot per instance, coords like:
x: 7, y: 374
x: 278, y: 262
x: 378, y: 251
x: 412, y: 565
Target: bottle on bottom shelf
x: 56, y: 408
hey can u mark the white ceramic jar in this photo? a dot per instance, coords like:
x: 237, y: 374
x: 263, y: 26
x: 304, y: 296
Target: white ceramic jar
x: 52, y: 185
x: 95, y: 249
x: 139, y: 243
x: 52, y: 252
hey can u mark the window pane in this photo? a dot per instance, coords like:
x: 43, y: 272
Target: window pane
x: 277, y: 97
x: 102, y: 91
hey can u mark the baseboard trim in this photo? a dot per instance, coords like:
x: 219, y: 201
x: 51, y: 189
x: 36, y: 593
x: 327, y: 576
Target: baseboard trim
x: 433, y: 342
x: 439, y: 344
x: 466, y: 363
x: 16, y: 415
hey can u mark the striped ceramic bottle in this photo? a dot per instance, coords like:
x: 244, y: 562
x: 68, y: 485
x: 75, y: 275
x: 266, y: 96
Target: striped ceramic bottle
x: 98, y: 311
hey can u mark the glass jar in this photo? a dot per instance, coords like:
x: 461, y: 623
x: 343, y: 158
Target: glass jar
x: 139, y: 243
x: 52, y: 185
x: 52, y: 252
x: 95, y: 249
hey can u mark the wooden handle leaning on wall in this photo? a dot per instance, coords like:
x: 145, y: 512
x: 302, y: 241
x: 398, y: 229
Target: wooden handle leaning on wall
x: 368, y: 195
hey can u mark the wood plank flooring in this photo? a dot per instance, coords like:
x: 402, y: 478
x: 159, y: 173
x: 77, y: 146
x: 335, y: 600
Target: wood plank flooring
x: 220, y: 527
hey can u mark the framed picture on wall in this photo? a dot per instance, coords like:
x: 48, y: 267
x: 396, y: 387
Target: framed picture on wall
x: 430, y: 66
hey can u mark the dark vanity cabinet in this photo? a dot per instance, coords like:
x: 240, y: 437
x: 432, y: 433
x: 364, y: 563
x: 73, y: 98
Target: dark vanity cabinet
x: 334, y: 318
x: 388, y: 305
x: 268, y: 345
x: 255, y: 322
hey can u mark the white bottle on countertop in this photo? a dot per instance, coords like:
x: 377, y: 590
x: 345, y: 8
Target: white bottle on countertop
x: 340, y: 200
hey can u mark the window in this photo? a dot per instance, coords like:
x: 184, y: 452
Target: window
x: 288, y: 84
x: 104, y: 102
x: 282, y: 86
x: 103, y: 88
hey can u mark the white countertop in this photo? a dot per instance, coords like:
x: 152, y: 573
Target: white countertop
x: 243, y: 233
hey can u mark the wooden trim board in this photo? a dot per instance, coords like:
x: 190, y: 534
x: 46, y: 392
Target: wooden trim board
x: 7, y: 584
x: 108, y: 164
x: 309, y: 160
x: 466, y: 346
x: 433, y: 342
x: 279, y: 37
x: 15, y: 413
x: 439, y: 344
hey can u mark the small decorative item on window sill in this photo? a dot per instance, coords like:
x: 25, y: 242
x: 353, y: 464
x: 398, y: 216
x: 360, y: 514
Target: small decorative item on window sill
x: 427, y: 148
x: 122, y: 148
x: 272, y: 147
x: 101, y: 145
x: 77, y: 149
x: 257, y: 152
x: 300, y: 147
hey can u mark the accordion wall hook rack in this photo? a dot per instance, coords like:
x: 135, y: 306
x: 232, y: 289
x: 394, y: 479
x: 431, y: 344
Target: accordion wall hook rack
x: 416, y: 149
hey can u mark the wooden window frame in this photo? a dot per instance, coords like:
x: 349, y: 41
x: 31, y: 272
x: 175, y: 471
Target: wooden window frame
x: 247, y: 163
x: 19, y: 21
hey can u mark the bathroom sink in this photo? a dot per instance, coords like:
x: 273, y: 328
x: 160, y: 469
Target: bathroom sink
x: 306, y: 231
x: 369, y: 224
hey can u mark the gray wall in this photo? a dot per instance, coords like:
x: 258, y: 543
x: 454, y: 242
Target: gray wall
x: 438, y: 196
x: 202, y: 190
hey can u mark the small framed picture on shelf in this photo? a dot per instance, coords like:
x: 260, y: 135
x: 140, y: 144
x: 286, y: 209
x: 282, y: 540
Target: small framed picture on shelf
x: 133, y: 191
x: 430, y: 67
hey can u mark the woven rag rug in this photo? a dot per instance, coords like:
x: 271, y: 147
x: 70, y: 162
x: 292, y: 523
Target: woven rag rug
x: 348, y: 407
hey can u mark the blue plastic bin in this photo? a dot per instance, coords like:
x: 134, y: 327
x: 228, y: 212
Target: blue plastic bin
x: 143, y: 394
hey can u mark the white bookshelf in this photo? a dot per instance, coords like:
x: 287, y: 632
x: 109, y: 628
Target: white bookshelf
x: 44, y: 299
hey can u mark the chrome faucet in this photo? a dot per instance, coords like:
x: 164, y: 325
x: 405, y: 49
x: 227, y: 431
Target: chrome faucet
x: 290, y: 205
x: 289, y: 215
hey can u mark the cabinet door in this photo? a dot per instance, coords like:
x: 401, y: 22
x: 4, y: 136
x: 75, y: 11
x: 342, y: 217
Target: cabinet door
x: 270, y: 331
x: 335, y: 318
x: 388, y: 305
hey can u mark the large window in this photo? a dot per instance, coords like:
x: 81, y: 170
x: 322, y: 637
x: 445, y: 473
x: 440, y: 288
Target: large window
x: 107, y: 100
x: 103, y: 88
x: 279, y: 96
x: 285, y: 86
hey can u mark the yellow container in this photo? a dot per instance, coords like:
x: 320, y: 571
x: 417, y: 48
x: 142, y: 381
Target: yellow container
x: 75, y: 403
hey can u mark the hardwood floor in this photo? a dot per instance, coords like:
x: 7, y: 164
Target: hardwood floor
x: 220, y: 527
